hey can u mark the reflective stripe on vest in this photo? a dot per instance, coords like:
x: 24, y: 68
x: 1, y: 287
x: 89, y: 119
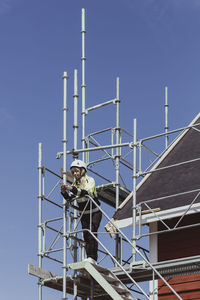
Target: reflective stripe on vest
x: 88, y: 211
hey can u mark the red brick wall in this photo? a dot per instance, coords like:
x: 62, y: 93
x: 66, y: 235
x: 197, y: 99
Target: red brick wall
x: 188, y: 287
x: 179, y: 244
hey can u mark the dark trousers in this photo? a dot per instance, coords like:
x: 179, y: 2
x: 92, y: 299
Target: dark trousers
x: 91, y: 245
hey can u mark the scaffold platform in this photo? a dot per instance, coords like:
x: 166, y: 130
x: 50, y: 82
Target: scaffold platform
x: 139, y: 272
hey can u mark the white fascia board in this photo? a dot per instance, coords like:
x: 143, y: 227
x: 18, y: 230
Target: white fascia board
x: 162, y: 215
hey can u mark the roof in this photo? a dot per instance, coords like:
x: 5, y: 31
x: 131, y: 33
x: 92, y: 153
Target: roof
x: 177, y: 171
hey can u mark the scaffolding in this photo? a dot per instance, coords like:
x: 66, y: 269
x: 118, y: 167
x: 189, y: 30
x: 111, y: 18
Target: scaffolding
x: 120, y: 273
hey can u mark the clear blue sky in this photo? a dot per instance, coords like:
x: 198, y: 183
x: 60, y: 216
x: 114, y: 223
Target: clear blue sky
x: 148, y: 44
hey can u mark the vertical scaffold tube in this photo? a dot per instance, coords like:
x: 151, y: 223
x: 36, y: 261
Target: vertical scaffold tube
x: 65, y: 77
x: 75, y: 109
x: 134, y: 184
x: 117, y: 156
x: 40, y: 214
x: 83, y: 85
x: 75, y: 148
x: 117, y: 142
x: 166, y: 117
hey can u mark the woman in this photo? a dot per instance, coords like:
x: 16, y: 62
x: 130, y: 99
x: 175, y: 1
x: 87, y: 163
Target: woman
x: 83, y: 186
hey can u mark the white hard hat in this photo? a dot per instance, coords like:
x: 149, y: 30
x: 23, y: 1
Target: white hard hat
x: 78, y: 164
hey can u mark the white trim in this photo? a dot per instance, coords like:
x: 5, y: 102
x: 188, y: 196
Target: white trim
x: 153, y: 243
x: 153, y: 256
x: 163, y: 215
x: 153, y: 290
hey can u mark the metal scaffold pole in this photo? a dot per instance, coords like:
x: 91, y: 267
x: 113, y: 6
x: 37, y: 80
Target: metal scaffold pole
x: 40, y: 236
x: 65, y: 78
x: 166, y: 117
x: 83, y: 85
x: 75, y: 110
x: 117, y: 142
x: 117, y: 167
x: 75, y: 246
x: 134, y: 186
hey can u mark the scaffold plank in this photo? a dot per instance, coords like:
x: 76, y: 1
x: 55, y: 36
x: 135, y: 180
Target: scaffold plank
x: 41, y: 273
x: 107, y: 194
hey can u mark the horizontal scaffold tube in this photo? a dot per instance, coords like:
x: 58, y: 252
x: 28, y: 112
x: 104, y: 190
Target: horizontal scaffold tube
x: 100, y: 105
x: 59, y: 154
x: 170, y: 132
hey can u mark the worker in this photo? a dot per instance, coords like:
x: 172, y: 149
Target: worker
x: 83, y: 186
